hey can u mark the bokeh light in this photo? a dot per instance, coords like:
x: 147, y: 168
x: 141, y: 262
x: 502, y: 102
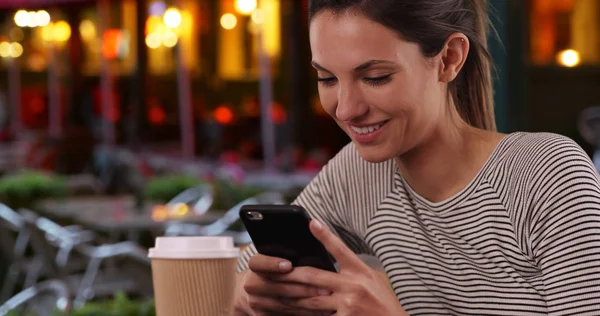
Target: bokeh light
x: 157, y: 8
x: 5, y: 49
x: 223, y: 115
x: 569, y: 58
x: 22, y: 18
x: 228, y: 21
x: 258, y: 16
x: 32, y: 19
x: 87, y: 29
x: 169, y: 39
x: 153, y: 40
x: 42, y: 18
x: 245, y: 7
x: 172, y: 18
x: 16, y: 34
x: 16, y: 50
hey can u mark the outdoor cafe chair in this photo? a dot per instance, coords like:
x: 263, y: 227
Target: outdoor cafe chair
x: 14, y: 239
x: 222, y: 226
x: 14, y: 242
x: 47, y: 238
x: 42, y: 299
x: 65, y: 239
x: 199, y: 198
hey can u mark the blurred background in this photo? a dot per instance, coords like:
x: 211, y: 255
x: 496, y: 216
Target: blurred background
x: 125, y: 120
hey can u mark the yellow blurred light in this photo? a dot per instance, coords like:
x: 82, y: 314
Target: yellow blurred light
x: 153, y: 40
x: 48, y: 32
x: 5, y: 49
x: 21, y: 18
x: 42, y: 18
x: 169, y: 39
x: 16, y: 50
x: 87, y: 29
x: 569, y: 58
x: 258, y: 16
x: 172, y: 18
x: 32, y: 19
x: 228, y: 21
x: 16, y: 34
x: 61, y: 31
x: 180, y: 209
x: 245, y: 7
x: 271, y: 28
x: 152, y: 24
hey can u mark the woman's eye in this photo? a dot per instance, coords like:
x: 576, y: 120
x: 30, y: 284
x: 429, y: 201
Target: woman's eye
x: 327, y: 81
x: 375, y: 81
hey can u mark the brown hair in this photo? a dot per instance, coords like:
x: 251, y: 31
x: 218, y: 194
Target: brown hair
x: 429, y: 23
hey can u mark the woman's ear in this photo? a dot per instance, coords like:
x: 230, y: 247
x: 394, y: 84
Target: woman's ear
x: 453, y: 56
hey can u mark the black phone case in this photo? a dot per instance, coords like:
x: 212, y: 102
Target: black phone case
x: 283, y: 232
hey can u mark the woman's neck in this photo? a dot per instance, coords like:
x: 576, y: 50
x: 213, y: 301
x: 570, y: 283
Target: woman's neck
x: 448, y: 160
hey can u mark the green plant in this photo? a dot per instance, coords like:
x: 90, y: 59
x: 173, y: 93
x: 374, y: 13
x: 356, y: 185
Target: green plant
x: 18, y: 313
x: 164, y: 188
x: 228, y: 194
x: 120, y: 305
x: 25, y: 188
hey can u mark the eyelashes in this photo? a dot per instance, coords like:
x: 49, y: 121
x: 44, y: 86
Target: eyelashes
x: 328, y: 82
x: 376, y: 81
x: 373, y: 81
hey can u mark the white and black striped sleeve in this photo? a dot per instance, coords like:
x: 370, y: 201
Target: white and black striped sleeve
x: 565, y: 230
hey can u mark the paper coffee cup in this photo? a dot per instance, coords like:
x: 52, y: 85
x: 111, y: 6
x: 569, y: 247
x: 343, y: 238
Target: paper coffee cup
x: 194, y: 276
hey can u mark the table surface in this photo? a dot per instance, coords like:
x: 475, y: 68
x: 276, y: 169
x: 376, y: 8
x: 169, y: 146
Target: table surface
x: 114, y: 213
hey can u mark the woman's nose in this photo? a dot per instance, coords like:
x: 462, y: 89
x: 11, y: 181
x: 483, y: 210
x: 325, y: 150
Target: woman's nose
x: 350, y: 105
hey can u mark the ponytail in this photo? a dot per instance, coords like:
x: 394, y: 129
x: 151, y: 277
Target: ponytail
x: 472, y: 91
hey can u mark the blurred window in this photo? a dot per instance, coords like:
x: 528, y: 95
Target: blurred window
x: 565, y: 32
x: 240, y: 22
x: 116, y: 43
x: 168, y: 26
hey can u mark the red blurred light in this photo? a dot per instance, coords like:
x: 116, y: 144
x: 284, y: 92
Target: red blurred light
x: 278, y: 113
x: 157, y: 115
x: 110, y: 43
x: 223, y: 115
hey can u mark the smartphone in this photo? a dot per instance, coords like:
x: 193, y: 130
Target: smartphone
x: 282, y: 231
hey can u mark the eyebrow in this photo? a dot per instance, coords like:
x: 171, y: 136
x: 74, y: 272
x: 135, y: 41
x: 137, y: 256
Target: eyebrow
x: 359, y: 68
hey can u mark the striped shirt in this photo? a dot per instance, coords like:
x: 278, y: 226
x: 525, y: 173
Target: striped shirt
x: 522, y: 238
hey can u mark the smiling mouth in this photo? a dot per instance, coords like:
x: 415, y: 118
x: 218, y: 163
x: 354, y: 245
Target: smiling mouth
x: 367, y: 129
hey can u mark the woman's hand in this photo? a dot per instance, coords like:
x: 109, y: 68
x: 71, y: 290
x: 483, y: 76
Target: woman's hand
x: 356, y: 290
x: 257, y: 294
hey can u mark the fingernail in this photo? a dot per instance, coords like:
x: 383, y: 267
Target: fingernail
x: 323, y: 292
x: 318, y: 225
x: 285, y: 265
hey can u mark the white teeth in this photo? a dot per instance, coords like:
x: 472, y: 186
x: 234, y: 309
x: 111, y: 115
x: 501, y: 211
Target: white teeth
x: 366, y: 130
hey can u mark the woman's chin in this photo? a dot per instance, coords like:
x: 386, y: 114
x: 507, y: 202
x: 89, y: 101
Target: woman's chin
x: 374, y: 154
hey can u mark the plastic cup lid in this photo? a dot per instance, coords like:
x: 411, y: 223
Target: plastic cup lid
x: 194, y: 248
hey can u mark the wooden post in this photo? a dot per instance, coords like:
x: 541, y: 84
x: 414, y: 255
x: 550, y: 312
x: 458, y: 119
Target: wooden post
x: 14, y: 95
x: 54, y: 106
x: 186, y: 111
x: 299, y: 76
x: 266, y: 102
x: 106, y: 83
x: 138, y: 110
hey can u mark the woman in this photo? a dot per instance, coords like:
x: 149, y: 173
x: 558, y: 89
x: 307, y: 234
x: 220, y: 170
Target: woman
x: 463, y: 219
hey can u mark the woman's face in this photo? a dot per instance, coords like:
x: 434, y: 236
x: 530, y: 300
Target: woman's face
x: 379, y: 88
